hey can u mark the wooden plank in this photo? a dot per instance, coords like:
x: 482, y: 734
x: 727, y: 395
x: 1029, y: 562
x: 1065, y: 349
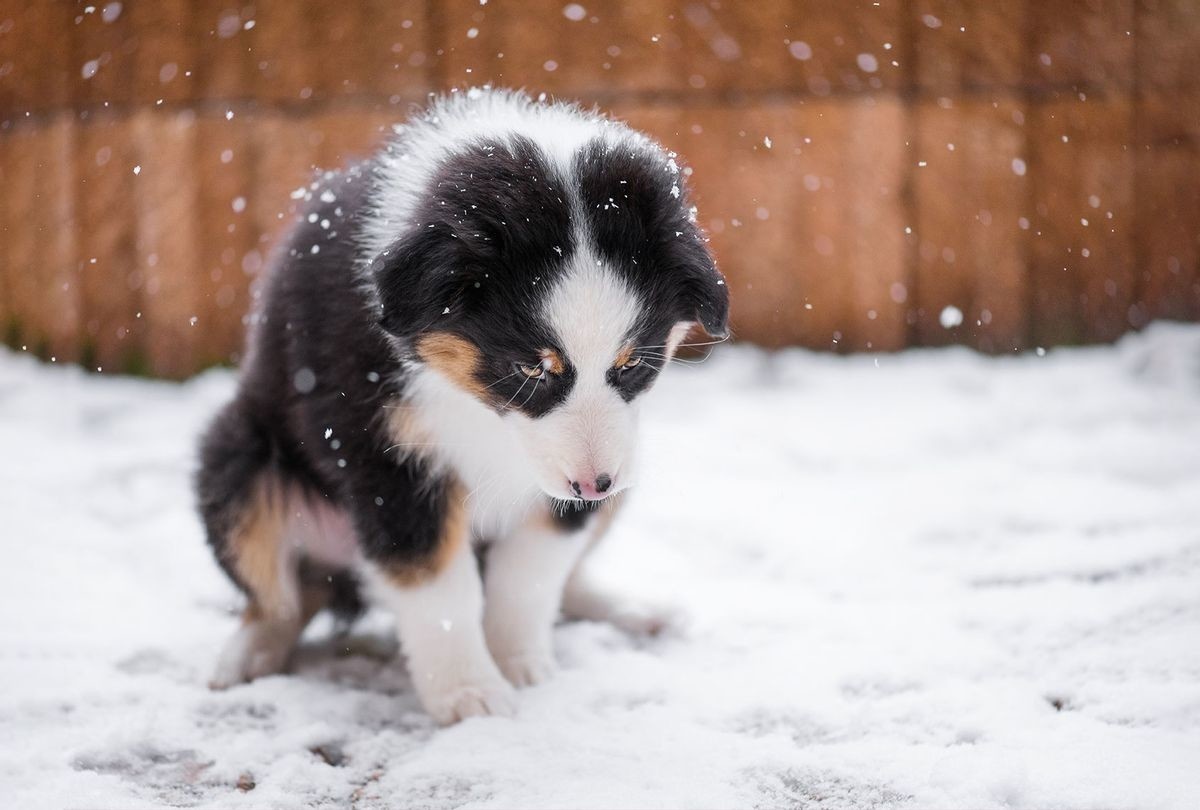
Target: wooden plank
x: 809, y: 230
x: 167, y: 240
x: 1168, y: 160
x: 58, y: 257
x: 225, y: 61
x: 821, y: 46
x: 283, y: 63
x: 285, y: 154
x: 1081, y: 170
x: 348, y: 137
x: 110, y: 279
x: 1168, y: 216
x: 341, y: 33
x: 36, y: 62
x: 969, y: 46
x: 8, y: 222
x: 224, y: 157
x: 103, y: 44
x: 167, y: 59
x: 1167, y: 34
x: 18, y: 167
x: 399, y: 66
x: 40, y: 255
x: 1081, y: 44
x: 971, y: 192
x: 593, y: 49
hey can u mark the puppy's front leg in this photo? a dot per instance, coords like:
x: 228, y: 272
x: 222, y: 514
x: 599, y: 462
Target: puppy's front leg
x: 525, y: 576
x: 438, y: 603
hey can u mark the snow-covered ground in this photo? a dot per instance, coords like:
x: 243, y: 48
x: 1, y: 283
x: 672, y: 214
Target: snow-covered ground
x: 929, y: 580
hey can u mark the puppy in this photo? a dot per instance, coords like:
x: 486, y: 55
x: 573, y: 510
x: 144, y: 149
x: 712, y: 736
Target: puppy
x: 447, y: 354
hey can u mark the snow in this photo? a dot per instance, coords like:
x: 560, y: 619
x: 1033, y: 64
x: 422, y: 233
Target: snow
x: 922, y: 580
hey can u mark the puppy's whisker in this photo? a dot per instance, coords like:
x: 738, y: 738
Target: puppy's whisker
x: 669, y: 359
x: 532, y: 392
x: 517, y: 394
x: 502, y: 379
x: 685, y: 345
x: 484, y: 485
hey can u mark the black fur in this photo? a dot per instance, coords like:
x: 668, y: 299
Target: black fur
x: 572, y: 516
x: 638, y: 217
x: 494, y: 232
x: 488, y: 242
x: 318, y: 366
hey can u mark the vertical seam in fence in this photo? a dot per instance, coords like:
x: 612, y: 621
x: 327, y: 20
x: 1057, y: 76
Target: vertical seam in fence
x: 1025, y: 94
x: 1139, y: 271
x: 909, y: 95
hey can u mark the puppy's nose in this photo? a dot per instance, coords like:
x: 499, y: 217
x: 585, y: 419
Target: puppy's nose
x: 592, y: 490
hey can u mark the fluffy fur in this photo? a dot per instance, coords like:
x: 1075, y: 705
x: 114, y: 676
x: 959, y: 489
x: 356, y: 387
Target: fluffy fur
x: 448, y: 354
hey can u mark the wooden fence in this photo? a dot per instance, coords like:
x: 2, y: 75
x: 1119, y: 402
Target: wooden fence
x: 874, y: 175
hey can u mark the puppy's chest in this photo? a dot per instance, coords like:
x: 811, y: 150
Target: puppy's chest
x: 470, y: 442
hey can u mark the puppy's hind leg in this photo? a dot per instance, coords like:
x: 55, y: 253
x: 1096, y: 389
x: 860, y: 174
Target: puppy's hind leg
x: 279, y: 608
x: 244, y: 507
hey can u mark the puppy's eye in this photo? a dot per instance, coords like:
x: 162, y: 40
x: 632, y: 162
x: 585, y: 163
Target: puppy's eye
x: 631, y: 362
x: 532, y: 372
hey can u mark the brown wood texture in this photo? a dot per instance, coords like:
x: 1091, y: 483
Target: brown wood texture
x: 966, y: 46
x: 166, y: 59
x: 1081, y: 44
x: 860, y: 166
x: 36, y: 59
x: 105, y: 159
x: 1168, y: 212
x: 1082, y: 262
x: 167, y: 238
x: 40, y: 258
x: 1167, y: 45
x: 809, y: 228
x: 585, y: 49
x: 972, y: 194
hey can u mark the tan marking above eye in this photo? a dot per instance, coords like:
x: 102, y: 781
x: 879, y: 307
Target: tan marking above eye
x: 625, y: 356
x: 551, y: 361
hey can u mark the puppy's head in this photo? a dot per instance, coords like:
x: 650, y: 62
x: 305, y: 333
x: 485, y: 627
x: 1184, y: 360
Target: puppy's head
x: 554, y: 292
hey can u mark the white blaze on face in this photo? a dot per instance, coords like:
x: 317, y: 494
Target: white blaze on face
x: 592, y: 433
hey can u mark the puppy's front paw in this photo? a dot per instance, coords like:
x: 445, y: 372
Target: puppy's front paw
x: 479, y: 698
x: 527, y: 668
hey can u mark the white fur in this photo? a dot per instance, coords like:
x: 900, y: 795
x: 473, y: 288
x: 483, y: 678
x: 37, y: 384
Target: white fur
x: 591, y: 310
x: 473, y: 441
x: 441, y: 633
x: 526, y: 573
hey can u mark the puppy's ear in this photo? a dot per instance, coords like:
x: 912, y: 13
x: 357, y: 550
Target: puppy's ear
x: 707, y: 297
x: 422, y: 280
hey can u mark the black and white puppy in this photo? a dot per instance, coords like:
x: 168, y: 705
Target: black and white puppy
x: 448, y: 353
